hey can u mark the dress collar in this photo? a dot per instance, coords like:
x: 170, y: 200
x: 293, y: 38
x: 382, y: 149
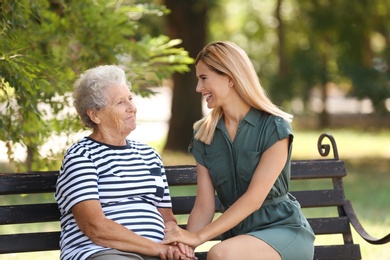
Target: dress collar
x: 252, y: 117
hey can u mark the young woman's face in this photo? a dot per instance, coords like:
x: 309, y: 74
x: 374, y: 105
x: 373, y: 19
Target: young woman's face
x: 213, y: 86
x: 119, y: 115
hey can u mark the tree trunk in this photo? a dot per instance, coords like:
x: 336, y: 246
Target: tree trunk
x: 283, y: 65
x: 187, y: 21
x: 281, y: 87
x: 324, y: 115
x: 31, y: 154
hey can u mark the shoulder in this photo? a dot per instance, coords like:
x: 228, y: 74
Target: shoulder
x: 143, y: 149
x: 81, y: 148
x: 133, y: 144
x: 262, y: 117
x: 269, y: 125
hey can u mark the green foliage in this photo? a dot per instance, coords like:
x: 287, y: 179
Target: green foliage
x: 297, y: 46
x: 157, y: 60
x: 361, y: 60
x: 44, y: 45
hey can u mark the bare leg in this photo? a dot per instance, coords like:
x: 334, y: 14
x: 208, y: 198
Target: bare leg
x: 243, y: 247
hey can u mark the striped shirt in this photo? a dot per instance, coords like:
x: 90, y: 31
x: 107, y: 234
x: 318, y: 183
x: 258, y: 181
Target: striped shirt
x: 129, y: 181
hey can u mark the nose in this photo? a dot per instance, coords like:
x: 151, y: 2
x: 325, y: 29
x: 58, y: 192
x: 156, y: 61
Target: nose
x: 131, y: 107
x: 199, y: 87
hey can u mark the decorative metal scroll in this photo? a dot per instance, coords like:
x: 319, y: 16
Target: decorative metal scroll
x: 324, y: 149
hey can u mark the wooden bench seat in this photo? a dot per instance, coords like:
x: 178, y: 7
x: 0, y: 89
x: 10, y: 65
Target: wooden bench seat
x: 330, y: 196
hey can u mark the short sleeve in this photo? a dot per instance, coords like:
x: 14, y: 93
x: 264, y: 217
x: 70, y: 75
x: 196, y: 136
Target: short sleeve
x: 166, y: 200
x: 196, y: 148
x: 278, y: 129
x: 77, y: 182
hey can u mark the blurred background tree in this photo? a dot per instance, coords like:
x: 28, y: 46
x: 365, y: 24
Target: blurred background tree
x: 187, y: 21
x: 45, y: 44
x: 297, y: 47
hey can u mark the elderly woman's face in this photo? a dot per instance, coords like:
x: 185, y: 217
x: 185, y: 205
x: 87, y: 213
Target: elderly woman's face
x: 118, y: 116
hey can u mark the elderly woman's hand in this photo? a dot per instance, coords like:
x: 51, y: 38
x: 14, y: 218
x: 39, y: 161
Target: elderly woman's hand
x: 187, y: 250
x: 174, y: 253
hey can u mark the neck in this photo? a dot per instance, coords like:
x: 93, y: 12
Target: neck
x: 235, y: 112
x: 109, y: 139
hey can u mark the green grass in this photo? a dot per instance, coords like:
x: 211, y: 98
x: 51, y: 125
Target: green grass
x: 367, y: 156
x: 351, y: 144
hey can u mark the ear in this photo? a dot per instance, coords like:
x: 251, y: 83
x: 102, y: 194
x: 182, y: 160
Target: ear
x: 231, y: 83
x: 93, y: 115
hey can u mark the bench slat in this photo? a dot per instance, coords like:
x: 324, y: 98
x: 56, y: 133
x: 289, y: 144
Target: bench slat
x: 181, y: 205
x: 177, y: 175
x: 319, y: 198
x: 41, y: 182
x: 340, y: 252
x: 18, y: 243
x: 201, y: 255
x: 335, y: 225
x: 317, y: 169
x: 25, y: 183
x: 22, y: 214
x: 184, y: 204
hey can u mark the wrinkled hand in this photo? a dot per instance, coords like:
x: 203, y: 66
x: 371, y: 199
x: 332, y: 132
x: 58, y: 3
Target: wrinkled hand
x: 173, y: 253
x: 176, y: 234
x: 187, y: 250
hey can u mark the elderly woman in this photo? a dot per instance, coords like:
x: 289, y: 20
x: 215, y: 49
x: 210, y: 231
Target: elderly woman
x: 112, y: 192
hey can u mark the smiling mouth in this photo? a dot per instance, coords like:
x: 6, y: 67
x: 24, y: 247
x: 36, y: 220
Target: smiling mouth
x: 208, y: 97
x: 130, y: 117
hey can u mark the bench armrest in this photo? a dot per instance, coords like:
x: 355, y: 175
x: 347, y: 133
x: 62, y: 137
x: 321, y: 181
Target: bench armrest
x: 359, y: 228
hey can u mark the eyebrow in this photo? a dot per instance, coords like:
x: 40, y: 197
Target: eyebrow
x: 117, y: 99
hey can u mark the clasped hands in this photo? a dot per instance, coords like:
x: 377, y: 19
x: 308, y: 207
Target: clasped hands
x: 184, y: 240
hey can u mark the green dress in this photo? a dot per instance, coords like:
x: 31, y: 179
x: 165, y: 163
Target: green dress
x: 279, y: 222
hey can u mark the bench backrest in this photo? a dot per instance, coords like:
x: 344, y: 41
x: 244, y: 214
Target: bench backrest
x: 303, y: 172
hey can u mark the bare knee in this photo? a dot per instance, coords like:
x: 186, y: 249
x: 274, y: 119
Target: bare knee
x: 242, y: 247
x: 217, y: 252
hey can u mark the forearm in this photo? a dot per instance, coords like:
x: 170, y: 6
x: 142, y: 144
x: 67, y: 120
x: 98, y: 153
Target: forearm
x: 241, y: 209
x: 113, y: 235
x: 204, y: 207
x: 199, y: 218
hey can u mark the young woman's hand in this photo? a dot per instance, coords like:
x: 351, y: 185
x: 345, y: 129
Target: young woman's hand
x: 177, y: 234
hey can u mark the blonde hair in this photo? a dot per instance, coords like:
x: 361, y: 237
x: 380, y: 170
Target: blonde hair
x: 227, y: 58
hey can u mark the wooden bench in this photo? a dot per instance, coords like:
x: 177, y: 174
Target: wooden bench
x: 331, y: 170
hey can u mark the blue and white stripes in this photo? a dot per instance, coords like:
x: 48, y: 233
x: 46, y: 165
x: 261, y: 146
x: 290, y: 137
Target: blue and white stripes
x: 129, y: 181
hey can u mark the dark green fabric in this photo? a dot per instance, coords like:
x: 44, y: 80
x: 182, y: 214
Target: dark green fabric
x: 231, y: 166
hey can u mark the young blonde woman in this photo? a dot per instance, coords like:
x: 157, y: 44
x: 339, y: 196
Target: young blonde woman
x: 243, y: 152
